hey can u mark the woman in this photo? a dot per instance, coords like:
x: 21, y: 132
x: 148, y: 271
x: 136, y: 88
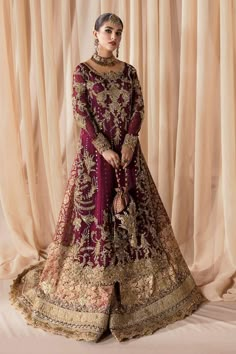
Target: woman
x: 114, y: 263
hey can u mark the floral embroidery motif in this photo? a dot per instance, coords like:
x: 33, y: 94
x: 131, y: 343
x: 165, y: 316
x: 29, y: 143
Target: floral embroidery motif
x: 128, y: 222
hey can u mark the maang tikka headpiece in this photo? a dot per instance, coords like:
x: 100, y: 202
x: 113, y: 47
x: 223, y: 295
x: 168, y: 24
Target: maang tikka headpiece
x: 114, y: 19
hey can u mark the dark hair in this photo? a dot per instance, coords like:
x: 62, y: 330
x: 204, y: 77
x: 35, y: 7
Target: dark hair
x: 105, y: 18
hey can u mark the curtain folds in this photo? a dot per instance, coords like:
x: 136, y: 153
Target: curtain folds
x: 185, y: 54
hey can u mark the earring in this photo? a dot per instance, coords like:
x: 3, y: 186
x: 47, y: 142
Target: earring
x: 117, y: 52
x: 96, y: 45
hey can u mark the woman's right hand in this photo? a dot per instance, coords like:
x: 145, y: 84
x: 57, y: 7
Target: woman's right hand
x: 112, y: 158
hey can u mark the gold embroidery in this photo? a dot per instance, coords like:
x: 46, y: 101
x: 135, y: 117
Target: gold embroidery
x: 130, y: 141
x: 77, y: 116
x: 80, y: 309
x: 128, y: 222
x: 85, y: 185
x: 114, y: 100
x: 77, y: 223
x: 81, y: 112
x: 80, y: 109
x: 152, y: 317
x: 101, y: 143
x: 139, y: 104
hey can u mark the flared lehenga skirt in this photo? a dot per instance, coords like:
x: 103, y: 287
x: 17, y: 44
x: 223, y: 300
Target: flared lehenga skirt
x: 95, y: 279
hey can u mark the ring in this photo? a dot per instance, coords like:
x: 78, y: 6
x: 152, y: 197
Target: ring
x: 126, y: 160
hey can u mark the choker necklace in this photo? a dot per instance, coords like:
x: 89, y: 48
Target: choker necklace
x: 111, y: 61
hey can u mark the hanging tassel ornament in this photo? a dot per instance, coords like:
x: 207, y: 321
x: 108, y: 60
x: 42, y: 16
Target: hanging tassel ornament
x: 124, y: 210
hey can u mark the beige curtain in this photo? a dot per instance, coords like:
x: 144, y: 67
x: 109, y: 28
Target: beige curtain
x: 185, y: 54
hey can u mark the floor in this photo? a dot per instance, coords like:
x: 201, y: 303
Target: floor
x: 210, y: 330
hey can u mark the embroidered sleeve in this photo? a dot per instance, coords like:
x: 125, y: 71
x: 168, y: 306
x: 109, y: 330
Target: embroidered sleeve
x: 134, y: 127
x: 82, y: 114
x: 101, y: 143
x: 131, y: 141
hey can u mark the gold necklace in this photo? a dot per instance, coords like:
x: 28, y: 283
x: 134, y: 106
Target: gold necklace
x: 111, y: 61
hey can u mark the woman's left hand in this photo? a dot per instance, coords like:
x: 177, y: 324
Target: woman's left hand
x: 126, y: 155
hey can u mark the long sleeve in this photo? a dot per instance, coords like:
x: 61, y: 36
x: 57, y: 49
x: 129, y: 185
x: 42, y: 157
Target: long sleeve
x: 82, y: 113
x: 137, y: 114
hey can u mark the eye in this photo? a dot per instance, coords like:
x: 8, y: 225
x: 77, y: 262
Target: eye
x: 107, y: 30
x: 118, y: 33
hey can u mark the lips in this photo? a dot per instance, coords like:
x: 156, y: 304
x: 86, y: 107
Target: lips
x: 113, y: 43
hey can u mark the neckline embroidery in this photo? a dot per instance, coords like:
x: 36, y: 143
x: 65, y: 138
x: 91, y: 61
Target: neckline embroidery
x: 108, y: 74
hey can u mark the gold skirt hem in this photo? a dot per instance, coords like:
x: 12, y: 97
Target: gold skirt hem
x: 153, y: 324
x: 92, y: 327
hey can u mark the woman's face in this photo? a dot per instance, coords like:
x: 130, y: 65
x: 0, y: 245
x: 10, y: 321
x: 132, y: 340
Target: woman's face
x: 109, y: 36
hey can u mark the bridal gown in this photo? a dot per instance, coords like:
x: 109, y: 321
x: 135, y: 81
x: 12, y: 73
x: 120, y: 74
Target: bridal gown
x: 100, y: 276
